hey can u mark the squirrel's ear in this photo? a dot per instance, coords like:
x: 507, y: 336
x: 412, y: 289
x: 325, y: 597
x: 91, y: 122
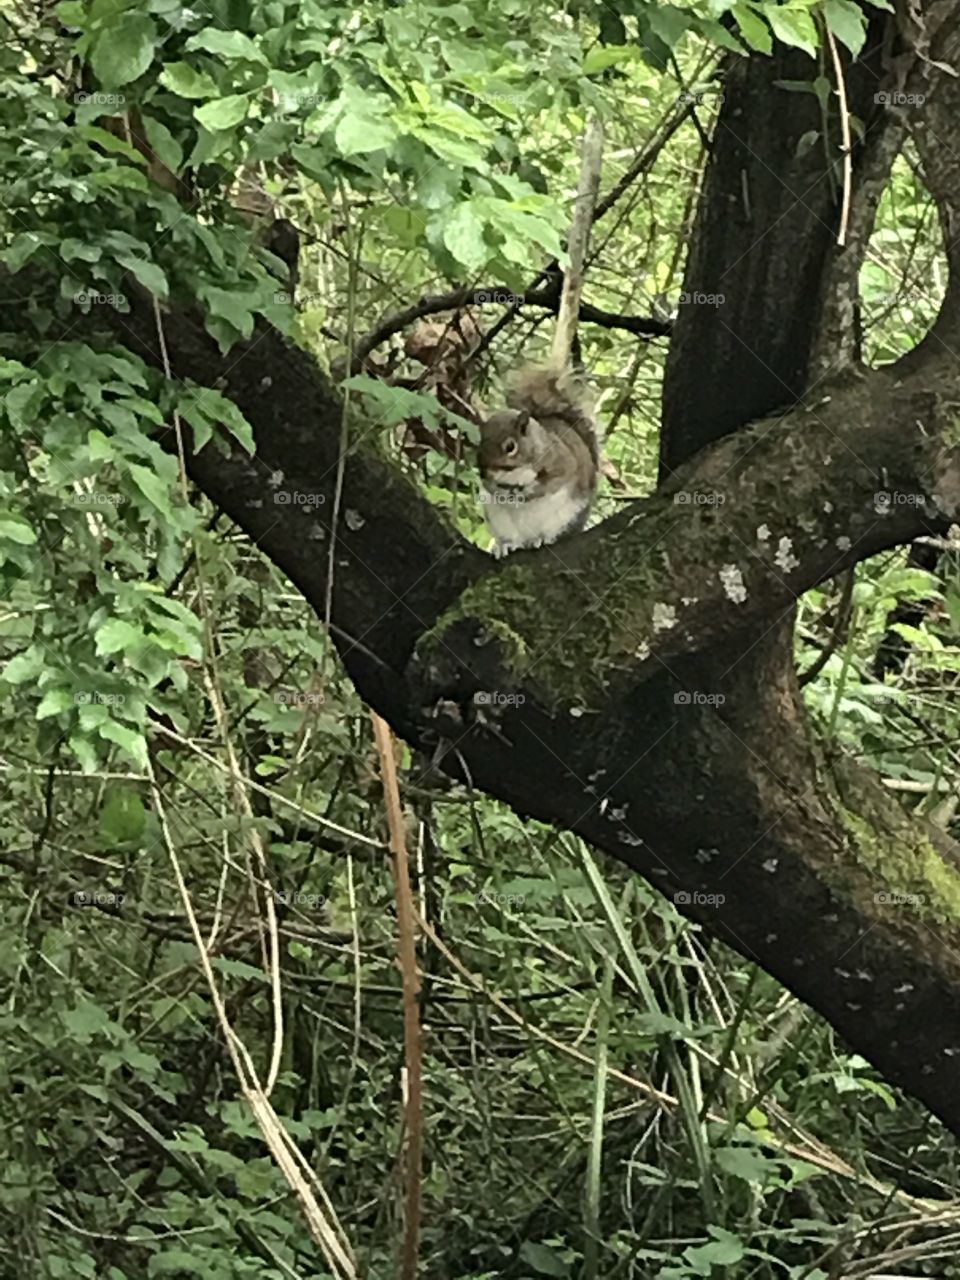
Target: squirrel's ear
x: 523, y: 417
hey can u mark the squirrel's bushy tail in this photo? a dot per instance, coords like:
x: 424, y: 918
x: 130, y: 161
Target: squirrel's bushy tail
x: 545, y: 392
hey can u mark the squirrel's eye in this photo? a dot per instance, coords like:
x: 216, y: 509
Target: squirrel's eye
x: 510, y: 448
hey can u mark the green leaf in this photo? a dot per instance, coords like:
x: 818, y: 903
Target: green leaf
x: 151, y: 486
x: 129, y: 740
x: 123, y: 178
x: 357, y: 134
x: 111, y: 143
x: 820, y: 88
x: 664, y: 1024
x: 601, y: 56
x: 124, y: 50
x: 753, y: 29
x: 793, y: 26
x: 71, y: 250
x: 72, y: 13
x: 757, y: 1119
x: 544, y: 1260
x: 806, y: 141
x: 178, y: 1262
x: 10, y: 369
x: 463, y: 236
x: 25, y: 666
x: 21, y: 248
x: 126, y: 367
x: 163, y: 144
x: 123, y: 816
x: 54, y: 701
x: 16, y: 530
x: 745, y: 1163
x: 238, y: 968
x: 203, y: 408
x: 187, y: 82
x: 84, y: 752
x: 224, y: 113
x: 848, y: 23
x: 22, y: 403
x: 147, y: 273
x: 85, y: 1020
x: 234, y: 307
x: 450, y: 146
x: 724, y: 1251
x: 395, y: 404
x: 229, y: 45
x: 669, y: 23
x: 115, y: 634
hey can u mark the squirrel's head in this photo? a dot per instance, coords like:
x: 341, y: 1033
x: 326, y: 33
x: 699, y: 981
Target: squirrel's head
x: 510, y: 444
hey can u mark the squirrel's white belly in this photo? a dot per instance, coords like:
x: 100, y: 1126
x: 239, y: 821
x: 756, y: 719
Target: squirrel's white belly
x: 517, y: 521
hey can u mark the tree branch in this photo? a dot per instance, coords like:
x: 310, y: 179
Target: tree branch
x: 548, y: 298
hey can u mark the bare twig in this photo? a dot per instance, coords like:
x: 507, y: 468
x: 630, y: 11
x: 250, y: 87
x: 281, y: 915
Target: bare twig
x: 413, y: 1054
x: 839, y: 629
x: 847, y: 138
x: 569, y: 310
x: 322, y: 1221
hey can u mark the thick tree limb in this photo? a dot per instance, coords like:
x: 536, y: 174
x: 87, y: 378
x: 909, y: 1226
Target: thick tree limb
x: 735, y: 538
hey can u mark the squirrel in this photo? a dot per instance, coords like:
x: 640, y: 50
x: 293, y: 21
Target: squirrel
x: 539, y: 461
x: 539, y: 458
